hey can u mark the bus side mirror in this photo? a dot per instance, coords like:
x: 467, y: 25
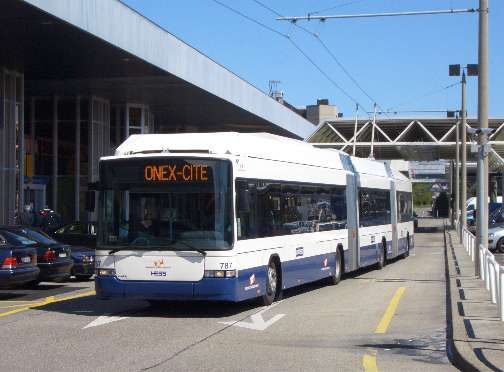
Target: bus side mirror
x: 90, y: 201
x: 243, y: 201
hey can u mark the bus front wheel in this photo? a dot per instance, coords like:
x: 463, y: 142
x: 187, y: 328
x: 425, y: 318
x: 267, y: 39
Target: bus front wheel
x: 338, y: 269
x: 272, y: 284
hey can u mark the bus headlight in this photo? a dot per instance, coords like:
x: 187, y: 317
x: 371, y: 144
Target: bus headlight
x: 220, y: 273
x: 105, y: 272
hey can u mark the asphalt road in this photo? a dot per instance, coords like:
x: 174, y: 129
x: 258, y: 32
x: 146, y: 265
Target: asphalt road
x: 392, y: 319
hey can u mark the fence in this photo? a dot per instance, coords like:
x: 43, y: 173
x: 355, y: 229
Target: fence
x: 491, y: 272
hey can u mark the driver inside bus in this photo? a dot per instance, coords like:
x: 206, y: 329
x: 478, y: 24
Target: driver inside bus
x: 146, y: 225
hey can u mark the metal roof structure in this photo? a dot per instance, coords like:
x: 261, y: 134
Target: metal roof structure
x: 408, y: 139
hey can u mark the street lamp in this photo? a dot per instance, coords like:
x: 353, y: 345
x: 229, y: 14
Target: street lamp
x: 454, y: 70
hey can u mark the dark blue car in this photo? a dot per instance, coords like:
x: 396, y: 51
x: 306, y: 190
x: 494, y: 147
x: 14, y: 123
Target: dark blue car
x: 53, y: 258
x: 18, y: 260
x: 83, y: 258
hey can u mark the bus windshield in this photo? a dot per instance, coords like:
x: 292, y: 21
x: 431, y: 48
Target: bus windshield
x: 166, y: 203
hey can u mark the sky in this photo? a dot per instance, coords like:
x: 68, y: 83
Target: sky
x: 401, y: 63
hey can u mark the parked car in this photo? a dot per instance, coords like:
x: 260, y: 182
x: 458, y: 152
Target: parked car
x: 84, y: 262
x: 18, y: 260
x: 496, y: 238
x: 77, y: 234
x: 53, y: 258
x: 82, y: 239
x: 495, y: 215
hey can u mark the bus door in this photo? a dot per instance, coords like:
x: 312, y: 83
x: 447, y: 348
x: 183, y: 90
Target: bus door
x: 352, y: 222
x: 393, y: 211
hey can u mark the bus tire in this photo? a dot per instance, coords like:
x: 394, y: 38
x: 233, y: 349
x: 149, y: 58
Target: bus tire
x: 382, y: 257
x: 406, y: 254
x: 335, y: 278
x: 272, y: 283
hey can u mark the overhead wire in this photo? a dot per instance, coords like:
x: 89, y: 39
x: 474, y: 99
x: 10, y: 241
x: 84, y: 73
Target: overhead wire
x: 336, y: 6
x: 328, y: 51
x: 296, y: 46
x: 425, y: 95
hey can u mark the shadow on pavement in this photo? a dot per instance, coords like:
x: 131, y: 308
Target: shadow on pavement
x: 38, y: 292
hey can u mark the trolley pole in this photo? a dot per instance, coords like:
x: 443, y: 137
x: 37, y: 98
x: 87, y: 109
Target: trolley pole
x: 482, y: 206
x: 463, y: 195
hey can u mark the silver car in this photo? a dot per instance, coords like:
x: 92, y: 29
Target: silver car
x: 496, y: 238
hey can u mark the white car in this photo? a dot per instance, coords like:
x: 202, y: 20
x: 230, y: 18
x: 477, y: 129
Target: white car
x: 496, y: 238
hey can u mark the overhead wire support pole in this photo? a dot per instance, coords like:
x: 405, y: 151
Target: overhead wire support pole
x: 371, y: 154
x: 463, y: 196
x: 482, y: 187
x: 457, y: 170
x: 355, y: 128
x: 375, y: 15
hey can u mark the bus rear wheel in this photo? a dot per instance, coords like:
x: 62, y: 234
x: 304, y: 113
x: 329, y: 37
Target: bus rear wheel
x: 382, y: 258
x: 272, y: 284
x: 406, y: 254
x: 335, y: 278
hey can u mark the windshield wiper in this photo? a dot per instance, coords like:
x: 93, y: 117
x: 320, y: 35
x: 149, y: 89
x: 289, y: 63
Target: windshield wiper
x: 115, y: 250
x: 160, y: 247
x: 192, y: 248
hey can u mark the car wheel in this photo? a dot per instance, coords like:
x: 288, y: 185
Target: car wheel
x: 382, y: 257
x: 338, y: 269
x: 62, y: 279
x: 32, y: 284
x: 272, y: 284
x: 83, y: 277
x: 499, y: 247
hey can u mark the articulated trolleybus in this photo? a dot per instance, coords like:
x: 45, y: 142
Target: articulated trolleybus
x: 230, y: 217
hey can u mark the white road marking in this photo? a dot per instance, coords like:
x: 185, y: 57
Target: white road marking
x: 257, y: 322
x: 104, y: 319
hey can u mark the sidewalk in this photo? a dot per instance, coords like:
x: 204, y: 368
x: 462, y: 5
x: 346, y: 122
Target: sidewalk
x: 474, y: 330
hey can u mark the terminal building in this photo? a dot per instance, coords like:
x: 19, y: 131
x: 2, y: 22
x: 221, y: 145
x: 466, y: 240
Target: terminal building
x: 77, y: 77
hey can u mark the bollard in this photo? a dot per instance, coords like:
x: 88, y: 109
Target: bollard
x: 487, y: 272
x: 473, y: 249
x: 493, y: 286
x: 482, y: 263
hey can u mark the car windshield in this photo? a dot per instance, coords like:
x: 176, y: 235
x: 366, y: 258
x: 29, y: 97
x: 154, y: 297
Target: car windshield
x: 39, y: 236
x: 17, y: 240
x: 164, y: 201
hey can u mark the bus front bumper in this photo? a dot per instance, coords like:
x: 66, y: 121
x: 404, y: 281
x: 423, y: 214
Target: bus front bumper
x: 209, y: 289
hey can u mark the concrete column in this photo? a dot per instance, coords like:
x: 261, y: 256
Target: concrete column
x: 118, y: 125
x: 21, y: 129
x: 54, y: 205
x: 32, y: 132
x: 126, y: 121
x: 77, y: 158
x: 91, y: 146
x: 3, y: 165
x: 11, y: 149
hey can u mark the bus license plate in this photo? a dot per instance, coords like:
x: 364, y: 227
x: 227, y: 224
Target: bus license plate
x: 25, y: 259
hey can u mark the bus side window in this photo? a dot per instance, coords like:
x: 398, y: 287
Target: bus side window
x: 246, y: 209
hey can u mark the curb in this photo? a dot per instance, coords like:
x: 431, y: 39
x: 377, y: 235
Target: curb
x: 459, y: 349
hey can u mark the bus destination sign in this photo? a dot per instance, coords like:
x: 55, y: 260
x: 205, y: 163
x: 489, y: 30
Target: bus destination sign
x: 176, y: 173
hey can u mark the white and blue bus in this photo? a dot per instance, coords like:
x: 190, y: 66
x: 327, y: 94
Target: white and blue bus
x: 231, y: 216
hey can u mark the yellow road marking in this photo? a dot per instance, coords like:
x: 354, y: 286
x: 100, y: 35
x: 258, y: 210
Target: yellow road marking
x: 369, y: 363
x: 389, y: 313
x: 47, y: 301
